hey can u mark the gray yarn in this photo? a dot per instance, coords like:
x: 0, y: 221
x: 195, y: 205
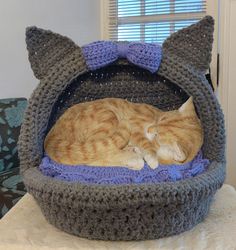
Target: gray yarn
x: 126, y: 212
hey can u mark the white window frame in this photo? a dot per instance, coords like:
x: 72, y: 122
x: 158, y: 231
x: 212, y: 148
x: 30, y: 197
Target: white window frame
x: 227, y: 83
x: 212, y: 9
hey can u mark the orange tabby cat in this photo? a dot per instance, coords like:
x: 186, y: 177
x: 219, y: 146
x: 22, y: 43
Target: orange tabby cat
x: 115, y: 132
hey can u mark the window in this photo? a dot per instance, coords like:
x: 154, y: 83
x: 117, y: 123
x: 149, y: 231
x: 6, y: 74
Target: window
x: 151, y: 20
x: 155, y: 20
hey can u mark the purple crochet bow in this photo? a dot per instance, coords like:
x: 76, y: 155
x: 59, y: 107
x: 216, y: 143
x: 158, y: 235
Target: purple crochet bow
x: 101, y: 53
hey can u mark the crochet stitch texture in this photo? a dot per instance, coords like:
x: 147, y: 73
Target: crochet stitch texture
x: 102, y: 53
x: 133, y: 211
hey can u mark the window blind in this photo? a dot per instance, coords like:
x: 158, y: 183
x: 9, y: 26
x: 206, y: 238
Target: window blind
x: 151, y: 20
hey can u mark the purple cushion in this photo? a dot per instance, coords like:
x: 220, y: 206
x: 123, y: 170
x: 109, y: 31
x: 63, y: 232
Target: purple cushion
x: 122, y: 175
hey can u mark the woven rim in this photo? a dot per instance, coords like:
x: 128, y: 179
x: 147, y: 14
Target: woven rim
x: 201, y: 186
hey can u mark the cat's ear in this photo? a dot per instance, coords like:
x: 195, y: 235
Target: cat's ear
x: 188, y: 106
x: 47, y: 49
x: 192, y: 45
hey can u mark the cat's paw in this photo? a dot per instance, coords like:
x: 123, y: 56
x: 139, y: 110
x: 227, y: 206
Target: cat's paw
x: 151, y: 160
x: 178, y: 153
x: 135, y: 163
x: 179, y: 157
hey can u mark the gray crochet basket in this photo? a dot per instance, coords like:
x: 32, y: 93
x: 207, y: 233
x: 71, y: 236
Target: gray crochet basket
x: 122, y: 212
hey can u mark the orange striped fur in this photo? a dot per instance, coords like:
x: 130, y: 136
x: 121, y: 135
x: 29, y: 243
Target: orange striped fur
x: 115, y: 132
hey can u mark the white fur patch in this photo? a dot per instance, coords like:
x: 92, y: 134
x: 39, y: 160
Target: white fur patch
x: 165, y: 152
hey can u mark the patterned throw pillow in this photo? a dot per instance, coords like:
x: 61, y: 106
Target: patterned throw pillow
x: 11, y: 116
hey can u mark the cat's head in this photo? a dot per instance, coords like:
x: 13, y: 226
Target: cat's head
x: 177, y: 134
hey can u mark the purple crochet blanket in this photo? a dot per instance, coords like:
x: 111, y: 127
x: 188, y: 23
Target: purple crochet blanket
x: 122, y: 175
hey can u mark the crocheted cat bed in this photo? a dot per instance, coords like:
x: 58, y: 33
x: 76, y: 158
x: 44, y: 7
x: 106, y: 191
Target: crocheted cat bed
x: 70, y: 75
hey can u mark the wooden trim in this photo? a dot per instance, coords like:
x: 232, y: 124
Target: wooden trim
x: 224, y: 55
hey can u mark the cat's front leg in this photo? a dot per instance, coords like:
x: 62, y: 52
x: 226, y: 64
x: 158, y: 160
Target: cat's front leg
x: 147, y: 148
x: 151, y: 160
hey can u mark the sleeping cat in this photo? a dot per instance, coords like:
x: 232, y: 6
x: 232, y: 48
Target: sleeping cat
x: 115, y: 132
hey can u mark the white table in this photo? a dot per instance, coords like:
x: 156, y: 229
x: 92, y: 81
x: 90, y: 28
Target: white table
x: 24, y: 227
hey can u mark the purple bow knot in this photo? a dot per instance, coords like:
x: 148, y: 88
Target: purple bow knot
x: 101, y: 53
x: 122, y: 48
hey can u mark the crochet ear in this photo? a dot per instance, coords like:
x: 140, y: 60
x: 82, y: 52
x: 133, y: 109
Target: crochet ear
x: 193, y: 44
x: 46, y: 49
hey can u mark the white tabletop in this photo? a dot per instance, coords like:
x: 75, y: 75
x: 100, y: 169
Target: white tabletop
x: 24, y: 227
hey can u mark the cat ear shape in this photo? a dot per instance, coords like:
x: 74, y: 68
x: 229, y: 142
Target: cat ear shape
x: 192, y: 45
x: 188, y: 106
x: 47, y: 49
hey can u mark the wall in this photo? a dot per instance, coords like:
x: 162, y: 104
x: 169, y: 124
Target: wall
x: 78, y: 19
x: 227, y: 89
